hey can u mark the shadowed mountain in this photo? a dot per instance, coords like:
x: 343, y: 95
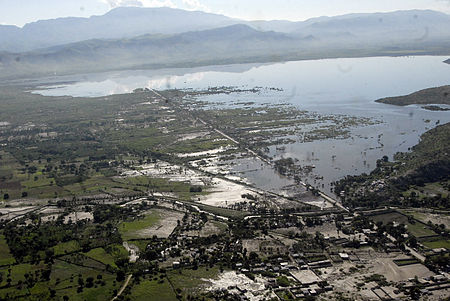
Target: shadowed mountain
x: 356, y: 35
x: 122, y: 22
x: 209, y: 47
x: 128, y: 22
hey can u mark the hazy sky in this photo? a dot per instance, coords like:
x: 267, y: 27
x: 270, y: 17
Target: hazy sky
x: 19, y: 12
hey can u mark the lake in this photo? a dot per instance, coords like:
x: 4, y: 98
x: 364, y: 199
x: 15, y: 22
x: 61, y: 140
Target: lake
x: 346, y: 86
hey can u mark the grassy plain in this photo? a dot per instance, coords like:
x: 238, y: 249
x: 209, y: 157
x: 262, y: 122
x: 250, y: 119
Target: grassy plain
x: 129, y: 230
x: 417, y: 229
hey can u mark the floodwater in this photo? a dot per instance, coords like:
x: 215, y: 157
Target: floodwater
x: 332, y: 86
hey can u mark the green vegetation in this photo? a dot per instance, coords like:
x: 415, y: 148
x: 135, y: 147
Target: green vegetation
x: 130, y: 230
x: 438, y: 95
x: 283, y: 281
x: 419, y: 230
x: 188, y: 281
x: 116, y: 252
x: 416, y: 228
x: 408, y: 261
x: 435, y: 244
x: 379, y: 279
x: 148, y: 289
x: 5, y: 255
x: 419, y: 178
x: 41, y: 162
x: 66, y: 247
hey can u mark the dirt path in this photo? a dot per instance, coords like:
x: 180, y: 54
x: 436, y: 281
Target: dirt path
x: 416, y: 254
x: 123, y: 287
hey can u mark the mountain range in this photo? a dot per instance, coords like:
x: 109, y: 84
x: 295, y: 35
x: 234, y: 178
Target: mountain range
x: 132, y: 37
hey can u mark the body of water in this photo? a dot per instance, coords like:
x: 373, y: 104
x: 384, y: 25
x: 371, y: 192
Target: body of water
x: 332, y: 86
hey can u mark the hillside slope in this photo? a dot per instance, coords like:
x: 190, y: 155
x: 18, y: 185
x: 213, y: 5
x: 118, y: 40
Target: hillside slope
x: 412, y: 26
x: 420, y: 178
x: 438, y: 95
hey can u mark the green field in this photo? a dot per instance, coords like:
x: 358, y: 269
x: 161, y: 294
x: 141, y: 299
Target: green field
x: 408, y: 261
x: 65, y: 279
x: 129, y: 230
x: 66, y: 247
x: 5, y: 255
x: 221, y: 211
x: 141, y: 244
x: 189, y: 281
x: 100, y: 254
x: 148, y: 290
x: 443, y: 243
x: 417, y: 229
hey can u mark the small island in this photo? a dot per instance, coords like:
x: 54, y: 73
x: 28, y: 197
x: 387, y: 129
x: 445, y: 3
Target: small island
x: 438, y: 95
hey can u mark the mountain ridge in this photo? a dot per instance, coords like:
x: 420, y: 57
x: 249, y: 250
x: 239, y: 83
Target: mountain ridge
x: 128, y: 22
x: 356, y: 35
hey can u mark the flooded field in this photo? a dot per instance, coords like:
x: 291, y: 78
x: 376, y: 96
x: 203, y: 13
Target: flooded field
x: 344, y: 89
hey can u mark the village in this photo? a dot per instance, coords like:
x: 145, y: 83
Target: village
x: 187, y: 208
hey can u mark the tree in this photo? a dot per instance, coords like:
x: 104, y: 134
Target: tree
x: 283, y: 281
x: 120, y: 276
x: 89, y: 282
x: 413, y: 242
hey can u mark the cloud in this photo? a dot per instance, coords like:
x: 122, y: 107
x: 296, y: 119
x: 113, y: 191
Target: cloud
x: 184, y: 4
x: 195, y: 5
x: 157, y: 3
x: 140, y: 3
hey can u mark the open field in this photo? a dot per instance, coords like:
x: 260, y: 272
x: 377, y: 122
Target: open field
x: 151, y: 289
x: 436, y: 244
x: 68, y: 275
x: 210, y: 228
x: 426, y: 216
x: 130, y: 229
x: 108, y: 255
x: 406, y: 261
x: 5, y: 255
x: 156, y: 222
x: 417, y: 229
x: 66, y: 247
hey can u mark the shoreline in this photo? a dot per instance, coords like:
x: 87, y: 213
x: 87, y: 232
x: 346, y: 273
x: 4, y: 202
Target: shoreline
x: 4, y: 81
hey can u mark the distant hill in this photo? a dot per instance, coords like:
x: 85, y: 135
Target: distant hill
x: 236, y: 43
x: 148, y: 38
x: 401, y: 182
x: 128, y: 22
x: 122, y: 22
x: 419, y: 24
x: 438, y: 95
